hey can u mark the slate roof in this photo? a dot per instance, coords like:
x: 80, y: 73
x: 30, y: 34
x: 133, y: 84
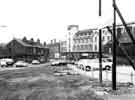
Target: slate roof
x: 131, y: 23
x: 85, y: 31
x: 28, y: 43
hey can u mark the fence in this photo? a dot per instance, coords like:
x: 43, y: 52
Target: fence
x: 124, y: 74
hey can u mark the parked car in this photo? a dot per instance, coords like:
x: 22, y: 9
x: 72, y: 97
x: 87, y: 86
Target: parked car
x: 56, y: 62
x: 61, y: 62
x: 3, y: 63
x: 21, y: 64
x: 35, y: 62
x: 93, y: 64
x: 8, y: 61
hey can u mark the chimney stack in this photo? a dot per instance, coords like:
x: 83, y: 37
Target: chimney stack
x: 54, y: 40
x: 51, y: 41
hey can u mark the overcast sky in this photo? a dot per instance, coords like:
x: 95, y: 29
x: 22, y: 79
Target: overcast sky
x: 48, y: 19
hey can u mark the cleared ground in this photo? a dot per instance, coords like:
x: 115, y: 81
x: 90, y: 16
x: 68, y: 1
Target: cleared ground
x: 40, y: 83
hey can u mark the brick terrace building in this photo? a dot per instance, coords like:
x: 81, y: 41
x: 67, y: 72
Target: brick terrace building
x: 3, y: 51
x: 27, y: 50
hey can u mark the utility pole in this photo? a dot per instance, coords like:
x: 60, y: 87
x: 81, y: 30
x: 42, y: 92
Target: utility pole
x: 100, y: 47
x: 59, y: 49
x: 69, y: 46
x: 114, y: 50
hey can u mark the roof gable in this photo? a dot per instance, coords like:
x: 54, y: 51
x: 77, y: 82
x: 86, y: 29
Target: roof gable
x: 27, y: 43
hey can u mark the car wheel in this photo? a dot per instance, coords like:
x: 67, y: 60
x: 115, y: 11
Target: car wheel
x: 107, y: 67
x: 88, y: 68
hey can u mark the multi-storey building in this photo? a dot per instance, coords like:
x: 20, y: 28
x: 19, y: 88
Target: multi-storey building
x: 72, y: 29
x: 84, y: 41
x: 87, y: 41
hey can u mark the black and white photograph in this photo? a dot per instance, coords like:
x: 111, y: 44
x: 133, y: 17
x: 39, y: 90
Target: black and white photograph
x: 67, y: 50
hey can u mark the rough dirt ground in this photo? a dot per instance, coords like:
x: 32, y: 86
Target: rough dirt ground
x: 40, y: 83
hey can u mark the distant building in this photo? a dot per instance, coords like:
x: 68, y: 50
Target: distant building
x: 72, y: 29
x: 63, y: 46
x: 80, y: 42
x: 85, y: 41
x: 124, y: 39
x: 27, y: 50
x: 54, y: 49
x: 4, y: 51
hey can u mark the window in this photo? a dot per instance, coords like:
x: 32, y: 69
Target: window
x: 74, y: 41
x: 103, y: 31
x: 119, y: 31
x: 82, y: 40
x: 89, y: 40
x: 90, y: 33
x: 86, y: 40
x: 95, y: 39
x: 103, y: 38
x: 90, y: 47
x: 110, y: 50
x: 77, y: 46
x: 95, y: 47
x: 78, y: 41
x: 130, y: 28
x: 81, y: 46
x: 108, y: 37
x: 86, y: 46
x: 85, y: 34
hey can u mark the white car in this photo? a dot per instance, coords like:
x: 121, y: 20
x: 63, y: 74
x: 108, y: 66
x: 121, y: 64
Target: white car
x: 8, y: 61
x: 21, y: 64
x: 93, y: 64
x: 55, y: 62
x: 3, y: 63
x: 35, y: 62
x: 61, y: 62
